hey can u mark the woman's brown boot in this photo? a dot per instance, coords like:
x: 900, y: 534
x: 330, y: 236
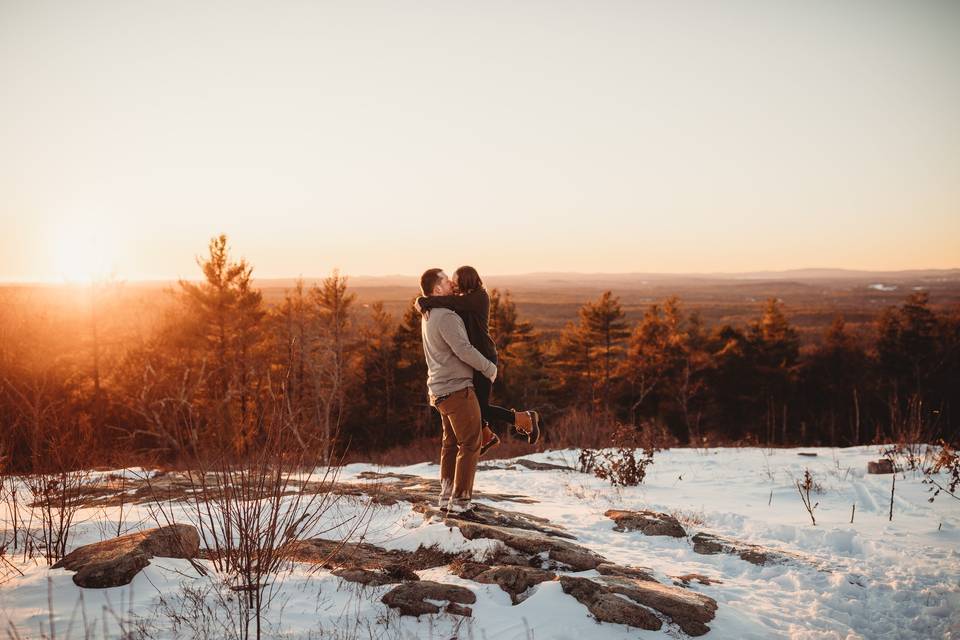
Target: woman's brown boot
x: 527, y: 423
x: 488, y: 439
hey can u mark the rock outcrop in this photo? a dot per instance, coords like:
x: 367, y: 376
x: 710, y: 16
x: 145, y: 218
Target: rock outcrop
x: 649, y: 523
x: 115, y: 562
x: 709, y: 544
x: 514, y: 579
x: 606, y: 606
x: 410, y: 598
x: 687, y: 609
x: 366, y: 563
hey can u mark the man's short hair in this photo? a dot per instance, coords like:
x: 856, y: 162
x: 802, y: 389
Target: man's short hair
x: 429, y: 280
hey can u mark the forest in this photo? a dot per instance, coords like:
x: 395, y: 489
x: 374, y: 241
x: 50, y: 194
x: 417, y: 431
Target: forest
x: 219, y: 370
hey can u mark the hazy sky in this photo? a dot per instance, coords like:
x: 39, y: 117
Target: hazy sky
x: 386, y: 137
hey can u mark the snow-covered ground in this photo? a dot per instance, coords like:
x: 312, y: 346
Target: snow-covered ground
x: 870, y: 579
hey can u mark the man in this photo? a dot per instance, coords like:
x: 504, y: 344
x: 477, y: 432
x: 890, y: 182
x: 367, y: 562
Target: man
x: 451, y: 360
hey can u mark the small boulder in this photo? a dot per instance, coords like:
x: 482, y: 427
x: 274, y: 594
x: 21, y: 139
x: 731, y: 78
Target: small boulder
x: 115, y: 562
x: 608, y: 607
x: 649, y: 523
x: 376, y: 578
x: 688, y: 609
x: 883, y: 465
x: 410, y: 598
x: 514, y: 580
x: 532, y: 543
x: 709, y: 544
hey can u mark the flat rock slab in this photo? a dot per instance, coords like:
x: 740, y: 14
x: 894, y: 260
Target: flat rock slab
x: 709, y: 544
x: 606, y: 606
x: 187, y: 485
x: 531, y: 543
x: 115, y: 562
x: 687, y: 609
x: 484, y: 514
x: 405, y: 487
x: 366, y: 563
x: 410, y: 598
x: 649, y: 523
x: 637, y: 573
x: 515, y: 580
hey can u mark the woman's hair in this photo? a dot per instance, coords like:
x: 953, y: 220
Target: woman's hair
x: 468, y: 279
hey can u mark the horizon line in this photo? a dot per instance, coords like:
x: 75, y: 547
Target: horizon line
x: 822, y: 272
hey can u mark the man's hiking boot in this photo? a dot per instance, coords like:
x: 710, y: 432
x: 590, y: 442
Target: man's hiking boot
x: 488, y: 439
x: 528, y: 423
x: 457, y: 508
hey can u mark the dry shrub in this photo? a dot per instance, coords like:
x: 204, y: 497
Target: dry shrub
x: 626, y: 464
x: 693, y: 518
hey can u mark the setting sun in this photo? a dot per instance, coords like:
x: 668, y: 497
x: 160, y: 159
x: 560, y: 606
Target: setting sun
x: 82, y: 255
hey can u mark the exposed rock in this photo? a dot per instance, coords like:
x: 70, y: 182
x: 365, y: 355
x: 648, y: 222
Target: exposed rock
x: 638, y: 573
x: 514, y: 580
x: 532, y: 542
x: 708, y: 544
x: 377, y: 578
x: 500, y: 518
x: 686, y: 579
x: 608, y: 607
x: 411, y: 488
x: 366, y: 563
x: 410, y: 598
x: 649, y: 523
x: 185, y: 485
x: 542, y: 466
x: 115, y: 562
x: 688, y: 609
x: 468, y: 570
x: 883, y: 465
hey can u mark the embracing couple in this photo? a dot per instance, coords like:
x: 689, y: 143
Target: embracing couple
x: 461, y: 367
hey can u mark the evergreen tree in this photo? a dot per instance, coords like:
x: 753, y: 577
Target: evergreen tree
x: 414, y: 413
x: 225, y: 321
x: 379, y: 358
x: 605, y: 330
x: 835, y: 381
x: 333, y: 355
x: 520, y: 360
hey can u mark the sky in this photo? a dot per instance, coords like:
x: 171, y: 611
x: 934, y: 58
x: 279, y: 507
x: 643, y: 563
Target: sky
x: 520, y: 136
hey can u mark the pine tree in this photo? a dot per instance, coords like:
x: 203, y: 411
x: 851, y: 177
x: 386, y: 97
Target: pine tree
x: 413, y: 410
x: 605, y: 329
x: 332, y: 355
x: 776, y: 347
x: 294, y: 333
x: 512, y: 337
x: 226, y: 314
x: 379, y: 366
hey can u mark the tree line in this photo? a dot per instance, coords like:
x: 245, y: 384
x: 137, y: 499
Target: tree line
x: 221, y: 368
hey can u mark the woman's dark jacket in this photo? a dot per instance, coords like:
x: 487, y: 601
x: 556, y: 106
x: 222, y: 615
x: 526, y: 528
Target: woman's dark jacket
x: 474, y: 309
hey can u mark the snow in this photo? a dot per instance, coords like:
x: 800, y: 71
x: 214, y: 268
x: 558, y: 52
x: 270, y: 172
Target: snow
x: 874, y: 578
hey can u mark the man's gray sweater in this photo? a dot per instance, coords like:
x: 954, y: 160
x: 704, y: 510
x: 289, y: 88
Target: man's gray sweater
x: 451, y: 359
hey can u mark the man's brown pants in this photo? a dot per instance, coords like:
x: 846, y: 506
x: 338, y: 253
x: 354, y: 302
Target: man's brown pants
x: 460, y: 448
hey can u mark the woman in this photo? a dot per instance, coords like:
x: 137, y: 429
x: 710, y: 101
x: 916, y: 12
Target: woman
x: 472, y: 304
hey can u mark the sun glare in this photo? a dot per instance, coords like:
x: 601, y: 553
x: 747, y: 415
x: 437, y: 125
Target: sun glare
x: 82, y: 256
